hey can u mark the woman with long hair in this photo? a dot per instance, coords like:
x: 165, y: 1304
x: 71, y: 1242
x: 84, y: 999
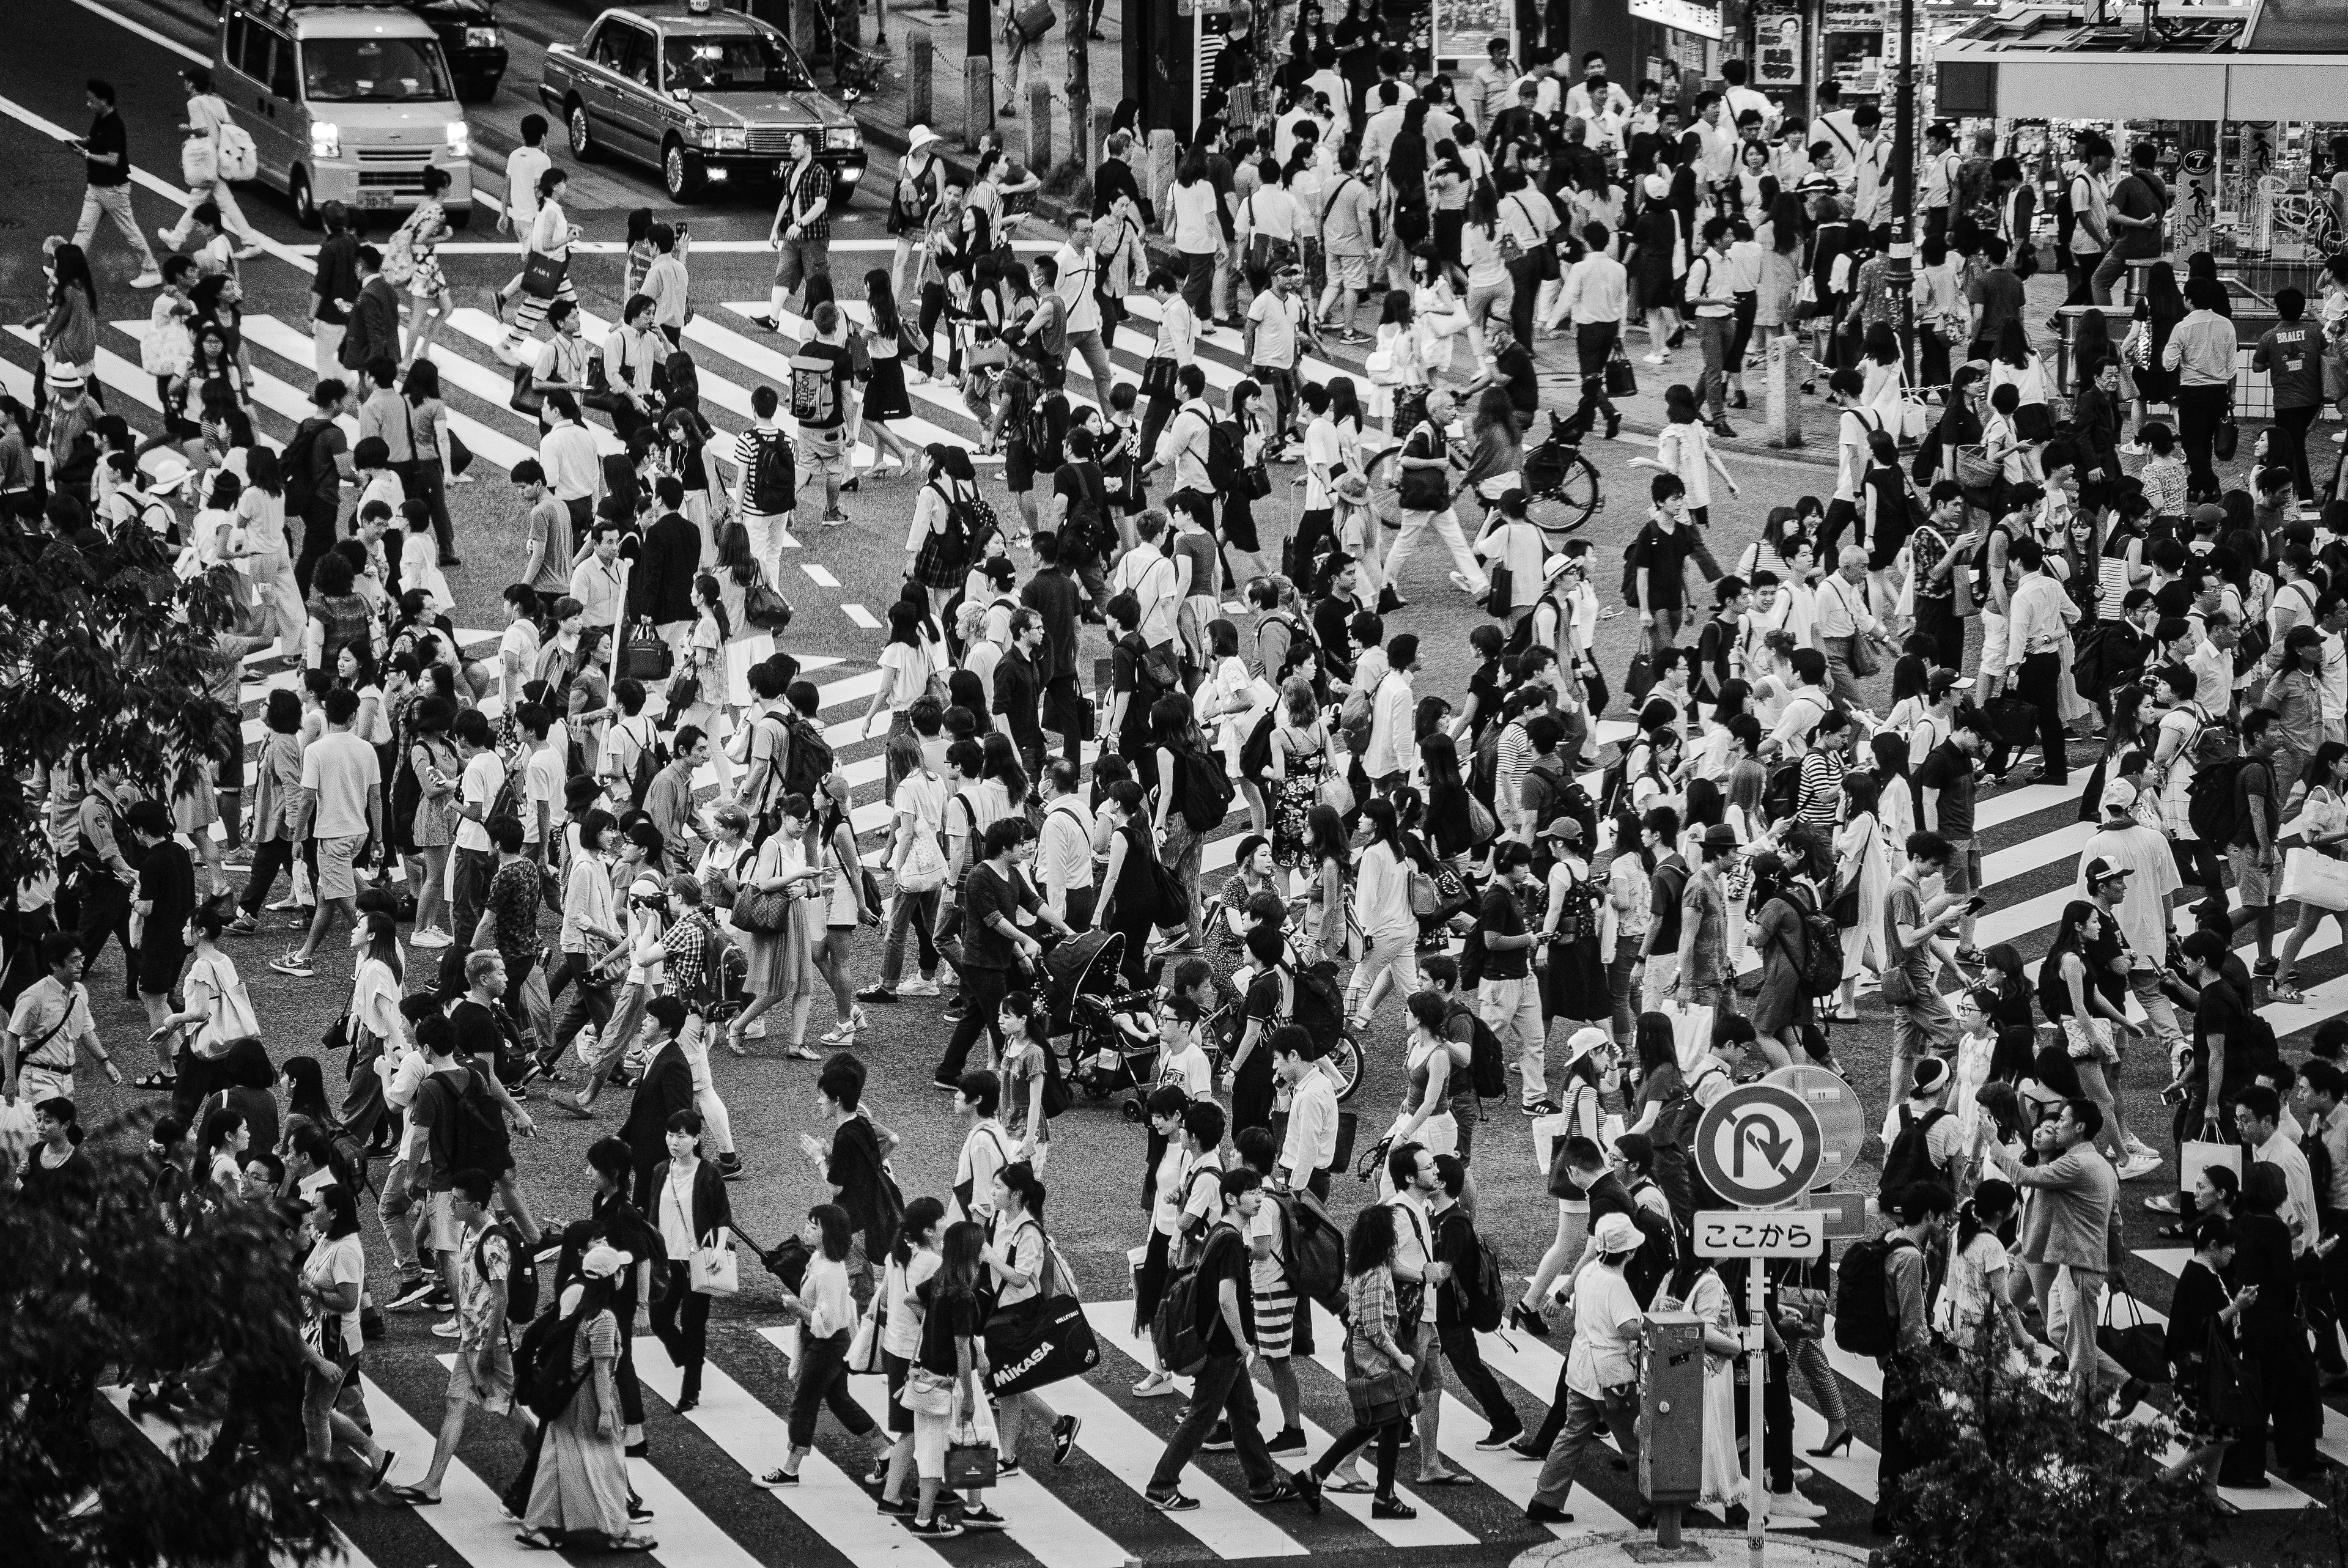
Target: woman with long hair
x: 1375, y: 1362
x: 581, y: 1490
x: 551, y: 235
x: 427, y: 478
x: 69, y: 326
x: 912, y: 1261
x: 1021, y: 1262
x: 1496, y: 464
x: 845, y: 910
x: 946, y: 1387
x: 1179, y: 754
x: 433, y: 759
x: 1327, y: 861
x: 2320, y: 820
x: 1389, y: 926
x: 1491, y: 290
x: 2204, y: 1305
x: 911, y: 662
x: 690, y: 1208
x: 826, y: 1309
x: 427, y: 286
x: 1127, y: 890
x: 2157, y: 311
x: 2071, y: 999
x: 781, y: 962
x: 332, y: 1280
x: 1194, y: 223
x: 885, y: 398
x: 2295, y: 696
x: 1778, y: 300
x: 1450, y: 820
x: 932, y: 559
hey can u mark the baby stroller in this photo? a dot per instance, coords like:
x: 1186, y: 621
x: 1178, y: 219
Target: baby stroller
x: 1113, y: 1043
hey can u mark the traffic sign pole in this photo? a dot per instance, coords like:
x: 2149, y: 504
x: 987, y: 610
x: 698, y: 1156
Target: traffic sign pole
x: 1756, y: 1516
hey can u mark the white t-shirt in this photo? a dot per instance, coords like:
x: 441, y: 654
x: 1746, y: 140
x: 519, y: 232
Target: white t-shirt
x: 483, y: 776
x: 342, y: 1261
x: 986, y: 1151
x: 544, y: 779
x: 901, y: 1333
x: 340, y: 769
x: 1321, y: 448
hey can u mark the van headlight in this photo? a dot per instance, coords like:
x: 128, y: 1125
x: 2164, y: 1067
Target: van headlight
x: 843, y: 139
x: 724, y: 138
x: 326, y: 140
x: 480, y: 37
x: 460, y: 139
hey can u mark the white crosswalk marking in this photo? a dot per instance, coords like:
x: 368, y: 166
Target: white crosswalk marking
x: 168, y: 1439
x: 467, y: 1517
x: 860, y: 616
x: 820, y: 576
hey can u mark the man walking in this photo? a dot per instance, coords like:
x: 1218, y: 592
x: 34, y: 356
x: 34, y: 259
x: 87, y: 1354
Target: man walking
x: 1711, y: 296
x: 105, y: 160
x: 1595, y: 295
x: 1920, y: 926
x: 2090, y: 223
x: 801, y: 232
x: 342, y: 809
x: 1427, y: 465
x: 1078, y: 285
x: 1602, y: 1375
x: 207, y: 118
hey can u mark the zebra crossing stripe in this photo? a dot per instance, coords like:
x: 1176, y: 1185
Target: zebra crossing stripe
x: 169, y: 1439
x: 468, y: 1517
x: 295, y: 347
x: 2171, y: 1261
x: 1113, y: 1322
x: 754, y: 1437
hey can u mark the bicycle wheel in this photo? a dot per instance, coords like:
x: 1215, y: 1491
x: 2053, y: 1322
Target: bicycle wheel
x: 1571, y: 502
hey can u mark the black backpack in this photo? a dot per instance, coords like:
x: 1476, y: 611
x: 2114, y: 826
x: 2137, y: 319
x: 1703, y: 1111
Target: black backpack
x: 1910, y: 1157
x: 1312, y: 1250
x: 1182, y: 1346
x: 807, y: 757
x: 1864, y: 1321
x: 1488, y: 1065
x: 477, y: 1140
x: 1819, y: 964
x: 299, y: 467
x: 521, y: 1273
x: 544, y: 1379
x: 1226, y: 458
x: 773, y: 485
x: 1206, y: 790
x: 1482, y: 1284
x: 1658, y: 1252
x: 2213, y: 805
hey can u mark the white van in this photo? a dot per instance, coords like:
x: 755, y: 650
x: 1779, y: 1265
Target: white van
x: 346, y: 102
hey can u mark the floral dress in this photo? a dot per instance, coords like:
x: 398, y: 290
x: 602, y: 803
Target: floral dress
x: 1306, y: 757
x: 426, y: 227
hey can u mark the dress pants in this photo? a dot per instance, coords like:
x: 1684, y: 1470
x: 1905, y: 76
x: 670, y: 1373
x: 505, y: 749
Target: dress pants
x: 2198, y: 410
x: 1594, y: 343
x: 2036, y: 685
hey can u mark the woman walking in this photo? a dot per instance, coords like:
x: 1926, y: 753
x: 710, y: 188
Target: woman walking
x: 912, y: 1260
x: 1020, y: 1257
x: 1381, y: 1376
x: 332, y: 1280
x: 945, y: 1388
x: 781, y: 966
x: 1862, y: 886
x: 1381, y: 908
x: 885, y: 398
x: 551, y: 235
x: 689, y: 1207
x: 826, y: 1309
x: 2320, y: 821
x: 580, y: 1495
x: 432, y: 756
x: 845, y: 909
x: 2072, y: 999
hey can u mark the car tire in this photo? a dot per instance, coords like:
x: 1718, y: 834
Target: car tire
x: 460, y: 218
x: 841, y: 195
x: 581, y: 135
x: 306, y: 205
x: 682, y: 174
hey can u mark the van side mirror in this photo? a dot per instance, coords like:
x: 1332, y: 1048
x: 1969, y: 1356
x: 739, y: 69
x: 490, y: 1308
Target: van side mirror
x: 682, y: 95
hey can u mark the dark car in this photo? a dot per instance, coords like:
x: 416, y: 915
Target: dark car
x: 472, y: 41
x: 703, y: 96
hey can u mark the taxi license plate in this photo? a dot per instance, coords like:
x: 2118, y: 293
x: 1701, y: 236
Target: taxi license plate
x: 372, y: 199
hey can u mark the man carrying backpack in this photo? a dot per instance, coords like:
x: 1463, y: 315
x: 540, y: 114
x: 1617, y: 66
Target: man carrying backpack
x: 1890, y: 1270
x: 483, y: 1376
x: 1507, y: 993
x: 1466, y: 1301
x: 1926, y: 1139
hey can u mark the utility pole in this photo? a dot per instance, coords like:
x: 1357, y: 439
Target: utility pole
x: 977, y: 74
x: 1078, y: 28
x: 1902, y: 275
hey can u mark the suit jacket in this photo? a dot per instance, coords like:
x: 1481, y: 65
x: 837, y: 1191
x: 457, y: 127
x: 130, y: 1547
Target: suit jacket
x: 665, y: 1089
x: 708, y: 1205
x: 662, y: 584
x: 374, y: 326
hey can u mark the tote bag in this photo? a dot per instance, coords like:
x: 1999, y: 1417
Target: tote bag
x: 711, y: 1271
x: 232, y: 1018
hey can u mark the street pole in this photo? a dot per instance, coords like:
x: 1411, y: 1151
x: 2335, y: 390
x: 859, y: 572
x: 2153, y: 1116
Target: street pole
x: 1080, y: 84
x: 1903, y: 276
x: 1756, y: 1516
x: 977, y: 76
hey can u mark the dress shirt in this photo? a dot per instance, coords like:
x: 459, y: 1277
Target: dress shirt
x: 1596, y: 289
x: 2035, y: 618
x: 1312, y: 1128
x: 1708, y: 278
x: 386, y: 414
x: 2200, y: 349
x: 1394, y: 745
x: 1842, y: 609
x: 599, y: 591
x: 1188, y: 433
x: 1064, y: 857
x: 2299, y: 1210
x: 1874, y: 192
x: 665, y: 285
x: 1076, y: 287
x: 567, y: 453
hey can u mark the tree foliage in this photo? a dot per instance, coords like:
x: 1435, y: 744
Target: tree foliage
x: 2015, y: 1480
x: 109, y: 1292
x: 102, y: 652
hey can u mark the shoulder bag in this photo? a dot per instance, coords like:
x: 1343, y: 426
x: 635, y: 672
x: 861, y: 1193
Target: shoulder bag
x: 1427, y: 489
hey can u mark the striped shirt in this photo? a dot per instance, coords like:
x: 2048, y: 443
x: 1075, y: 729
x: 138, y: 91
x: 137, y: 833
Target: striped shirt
x: 1821, y: 790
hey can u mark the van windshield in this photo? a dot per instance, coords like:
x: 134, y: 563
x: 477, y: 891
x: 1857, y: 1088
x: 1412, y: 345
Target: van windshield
x: 733, y: 62
x: 374, y: 71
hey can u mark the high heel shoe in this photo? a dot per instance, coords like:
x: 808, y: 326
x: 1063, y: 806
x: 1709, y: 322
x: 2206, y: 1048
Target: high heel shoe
x: 1525, y: 1318
x: 1838, y: 1439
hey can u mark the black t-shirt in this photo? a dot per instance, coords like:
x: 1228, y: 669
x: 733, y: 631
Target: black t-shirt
x: 1663, y: 912
x: 2099, y: 955
x: 1484, y: 685
x: 1226, y: 1257
x: 841, y: 374
x: 1088, y: 497
x: 477, y: 1031
x: 1949, y: 770
x: 1514, y: 366
x: 1714, y: 644
x: 1666, y: 560
x: 167, y: 876
x: 2223, y: 1012
x: 106, y: 134
x: 1502, y: 915
x: 951, y: 1317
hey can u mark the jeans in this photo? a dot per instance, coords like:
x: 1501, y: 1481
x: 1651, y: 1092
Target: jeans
x: 317, y: 538
x: 681, y: 1322
x: 2107, y: 272
x: 427, y: 482
x: 1897, y: 1456
x: 1467, y: 1360
x: 114, y: 201
x: 983, y: 991
x: 2035, y: 684
x: 1509, y: 1006
x: 1221, y: 1389
x: 2079, y: 267
x: 2198, y: 409
x: 1096, y: 360
x: 469, y: 890
x: 919, y: 911
x: 1525, y: 276
x: 1618, y: 984
x: 1593, y: 345
x: 1712, y: 335
x: 1620, y: 1406
x: 271, y: 857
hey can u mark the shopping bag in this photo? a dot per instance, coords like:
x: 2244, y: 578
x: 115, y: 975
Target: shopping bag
x: 2232, y: 1394
x: 541, y: 276
x: 711, y: 1271
x: 864, y: 1348
x: 2139, y: 1347
x: 2193, y: 1158
x: 1549, y: 1131
x: 2315, y: 878
x: 970, y: 1464
x: 1691, y: 1036
x: 1640, y: 678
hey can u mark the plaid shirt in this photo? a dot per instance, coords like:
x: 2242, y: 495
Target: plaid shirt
x: 684, y: 942
x: 514, y: 895
x: 815, y: 185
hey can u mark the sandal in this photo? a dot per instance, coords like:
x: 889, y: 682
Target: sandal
x: 1350, y: 1488
x: 733, y: 1042
x: 163, y: 1082
x: 799, y: 1051
x: 537, y: 1541
x: 633, y: 1543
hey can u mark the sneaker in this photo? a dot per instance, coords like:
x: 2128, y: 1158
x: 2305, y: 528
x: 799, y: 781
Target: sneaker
x: 902, y: 1508
x: 446, y: 1328
x: 1219, y: 1440
x: 1654, y: 359
x: 2139, y: 1166
x: 1541, y: 1108
x: 834, y: 520
x: 729, y: 1166
x: 430, y: 937
x: 150, y: 278
x: 918, y: 988
x: 981, y: 1518
x: 947, y: 1085
x: 2164, y: 1204
x: 248, y: 252
x: 2133, y: 448
x: 1459, y: 580
x: 755, y: 1030
x: 876, y: 993
x: 173, y: 241
x: 1064, y: 1438
x: 244, y: 926
x: 413, y: 1289
x: 2263, y: 970
x: 940, y: 1527
x: 290, y: 964
x: 1288, y: 1440
x: 285, y: 905
x: 1793, y: 1505
x: 1172, y: 1502
x: 953, y: 1010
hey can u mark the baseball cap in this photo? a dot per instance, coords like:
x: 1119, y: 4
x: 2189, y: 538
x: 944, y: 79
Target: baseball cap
x: 2118, y: 795
x: 1564, y: 827
x: 2102, y: 870
x: 1943, y: 682
x: 1616, y: 1233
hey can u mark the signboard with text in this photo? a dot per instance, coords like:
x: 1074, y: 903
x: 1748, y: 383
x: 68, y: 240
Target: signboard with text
x: 1759, y: 1232
x: 1683, y: 15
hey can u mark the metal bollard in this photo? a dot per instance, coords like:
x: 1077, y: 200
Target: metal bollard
x: 1781, y: 391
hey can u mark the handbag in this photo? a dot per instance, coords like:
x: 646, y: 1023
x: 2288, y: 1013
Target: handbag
x: 970, y: 1463
x: 2315, y: 878
x: 763, y: 606
x: 460, y: 457
x: 525, y: 398
x: 2139, y: 1347
x: 2231, y: 1393
x: 1502, y: 597
x: 927, y: 1393
x: 1157, y: 377
x: 232, y: 1019
x: 646, y: 656
x: 1032, y: 21
x: 761, y: 912
x: 1482, y: 826
x: 1621, y: 380
x: 711, y: 1271
x: 542, y: 275
x: 2227, y: 435
x: 864, y: 1347
x: 1337, y: 792
x: 1424, y: 901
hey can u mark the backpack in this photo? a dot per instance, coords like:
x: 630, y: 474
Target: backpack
x: 521, y: 1272
x: 1226, y: 458
x: 718, y: 954
x: 1036, y: 430
x: 1909, y: 1160
x: 772, y: 483
x: 1155, y: 672
x: 400, y: 253
x: 508, y: 801
x: 1820, y: 964
x: 1781, y: 791
x: 1316, y: 1000
x: 652, y: 756
x: 807, y: 756
x: 299, y: 465
x: 1864, y: 1324
x: 235, y: 156
x: 544, y: 1379
x: 1488, y: 1065
x: 1658, y: 1252
x: 1169, y: 902
x: 477, y: 1140
x: 815, y: 395
x: 1181, y: 1347
x: 1482, y: 1287
x: 1207, y: 791
x: 1563, y: 796
x: 1056, y: 1097
x: 1312, y: 1250
x: 2213, y: 807
x: 1578, y: 911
